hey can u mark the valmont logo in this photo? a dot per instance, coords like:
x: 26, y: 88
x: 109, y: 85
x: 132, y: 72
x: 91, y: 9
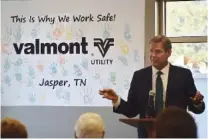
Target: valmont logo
x: 103, y: 46
x: 52, y: 48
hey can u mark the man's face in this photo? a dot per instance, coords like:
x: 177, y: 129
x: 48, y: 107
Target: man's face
x: 158, y: 55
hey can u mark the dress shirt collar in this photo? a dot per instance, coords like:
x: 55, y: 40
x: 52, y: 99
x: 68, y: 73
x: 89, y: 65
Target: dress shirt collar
x: 165, y: 70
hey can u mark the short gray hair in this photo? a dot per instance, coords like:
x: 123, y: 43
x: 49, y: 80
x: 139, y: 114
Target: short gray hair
x: 162, y: 39
x: 89, y: 125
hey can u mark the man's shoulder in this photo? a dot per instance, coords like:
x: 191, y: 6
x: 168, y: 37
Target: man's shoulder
x: 179, y: 68
x: 143, y: 70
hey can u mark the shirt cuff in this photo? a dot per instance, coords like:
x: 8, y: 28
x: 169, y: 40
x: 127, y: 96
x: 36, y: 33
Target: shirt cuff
x: 117, y: 103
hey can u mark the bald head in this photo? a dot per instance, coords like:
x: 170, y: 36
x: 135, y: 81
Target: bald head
x: 89, y: 125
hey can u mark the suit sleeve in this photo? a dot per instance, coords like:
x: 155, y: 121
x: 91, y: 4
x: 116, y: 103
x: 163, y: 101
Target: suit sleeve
x: 130, y: 108
x: 191, y: 90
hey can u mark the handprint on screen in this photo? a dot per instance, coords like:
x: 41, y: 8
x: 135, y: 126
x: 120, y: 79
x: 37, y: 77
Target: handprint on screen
x: 35, y: 30
x: 31, y: 72
x: 87, y: 95
x: 77, y: 70
x: 8, y: 32
x: 68, y: 33
x: 5, y: 48
x: 112, y: 78
x: 127, y: 33
x: 18, y: 33
x: 2, y: 90
x: 18, y: 76
x: 49, y: 35
x: 58, y: 31
x: 79, y: 33
x: 106, y: 32
x: 64, y: 71
x: 30, y: 82
x: 7, y: 65
x: 84, y: 63
x: 66, y: 95
x: 53, y: 68
x: 7, y: 80
x: 5, y: 43
x: 59, y: 93
x: 126, y: 84
x: 32, y: 97
x: 96, y: 75
x: 18, y: 62
x: 40, y: 67
x: 136, y: 56
x: 123, y: 60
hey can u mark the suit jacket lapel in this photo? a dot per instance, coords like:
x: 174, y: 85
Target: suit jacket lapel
x: 170, y: 82
x: 149, y: 78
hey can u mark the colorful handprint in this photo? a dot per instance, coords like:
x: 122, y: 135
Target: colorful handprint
x: 112, y: 78
x: 124, y: 47
x: 68, y: 33
x: 40, y: 67
x: 58, y: 31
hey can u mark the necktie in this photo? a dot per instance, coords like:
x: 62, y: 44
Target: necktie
x: 159, y: 93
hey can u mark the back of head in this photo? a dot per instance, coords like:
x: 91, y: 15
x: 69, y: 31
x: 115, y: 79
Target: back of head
x: 89, y: 125
x: 174, y: 122
x: 11, y: 128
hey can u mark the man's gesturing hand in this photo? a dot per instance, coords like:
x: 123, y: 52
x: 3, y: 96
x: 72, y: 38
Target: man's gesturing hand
x: 109, y: 94
x: 198, y: 98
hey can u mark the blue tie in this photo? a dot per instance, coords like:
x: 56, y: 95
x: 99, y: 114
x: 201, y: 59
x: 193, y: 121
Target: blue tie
x: 159, y: 93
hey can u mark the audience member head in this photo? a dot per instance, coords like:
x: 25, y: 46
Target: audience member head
x: 11, y: 128
x: 174, y: 122
x: 89, y: 125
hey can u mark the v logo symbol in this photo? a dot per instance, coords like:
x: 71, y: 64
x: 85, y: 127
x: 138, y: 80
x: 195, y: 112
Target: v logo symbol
x: 103, y: 46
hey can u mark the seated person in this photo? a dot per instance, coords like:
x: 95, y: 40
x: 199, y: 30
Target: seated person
x: 89, y: 125
x: 11, y: 128
x: 174, y: 122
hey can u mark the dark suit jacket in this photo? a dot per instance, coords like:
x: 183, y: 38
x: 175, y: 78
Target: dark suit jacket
x: 179, y: 90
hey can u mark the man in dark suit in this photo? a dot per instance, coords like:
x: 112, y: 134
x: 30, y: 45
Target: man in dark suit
x: 173, y: 86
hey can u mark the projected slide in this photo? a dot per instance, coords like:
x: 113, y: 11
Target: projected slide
x: 62, y: 53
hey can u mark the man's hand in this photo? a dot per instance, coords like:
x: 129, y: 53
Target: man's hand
x: 198, y: 98
x: 109, y: 94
